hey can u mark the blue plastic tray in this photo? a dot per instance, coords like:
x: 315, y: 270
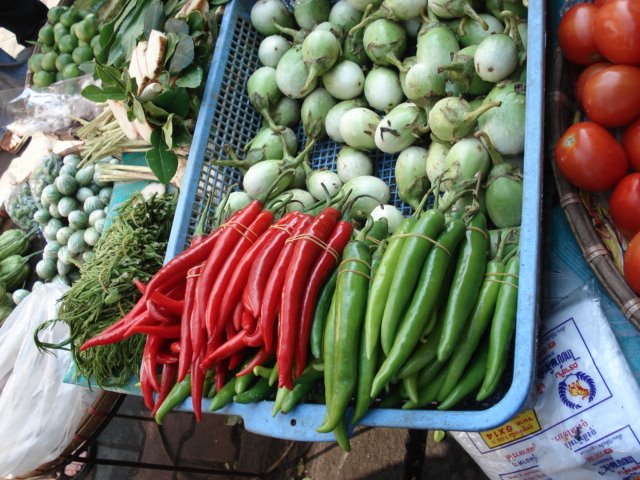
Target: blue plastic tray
x: 227, y: 117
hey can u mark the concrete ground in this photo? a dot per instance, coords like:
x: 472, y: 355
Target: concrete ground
x: 218, y: 444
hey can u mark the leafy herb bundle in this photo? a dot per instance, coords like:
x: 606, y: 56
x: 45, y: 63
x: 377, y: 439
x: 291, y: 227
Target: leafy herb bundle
x: 131, y: 248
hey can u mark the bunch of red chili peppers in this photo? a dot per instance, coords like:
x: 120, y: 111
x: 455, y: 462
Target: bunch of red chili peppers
x: 243, y: 294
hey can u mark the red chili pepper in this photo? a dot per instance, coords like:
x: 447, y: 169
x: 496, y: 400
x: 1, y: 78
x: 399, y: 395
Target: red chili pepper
x: 197, y: 386
x: 236, y: 319
x: 221, y: 375
x: 145, y: 386
x: 175, y: 347
x: 186, y: 345
x: 247, y: 322
x: 159, y: 314
x: 318, y: 276
x: 232, y: 346
x: 175, y: 270
x: 231, y: 233
x: 236, y: 360
x: 306, y: 252
x: 260, y: 358
x: 166, y: 358
x: 214, y: 322
x: 150, y: 359
x: 167, y: 382
x: 274, y: 279
x: 141, y: 286
x: 112, y: 334
x: 171, y: 332
x: 174, y: 307
x: 238, y: 280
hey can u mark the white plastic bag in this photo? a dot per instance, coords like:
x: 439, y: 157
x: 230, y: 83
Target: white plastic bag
x: 584, y: 422
x: 39, y: 414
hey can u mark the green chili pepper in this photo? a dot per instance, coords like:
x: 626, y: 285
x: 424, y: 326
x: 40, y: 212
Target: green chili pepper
x: 342, y: 436
x: 256, y: 393
x: 328, y: 350
x: 303, y: 387
x: 410, y: 385
x: 380, y: 284
x: 469, y: 382
x: 379, y: 231
x: 478, y: 322
x: 244, y: 382
x: 465, y: 285
x: 407, y: 272
x: 264, y: 372
x: 367, y: 367
x: 422, y: 355
x: 430, y: 372
x: 350, y: 298
x: 428, y: 393
x: 178, y: 394
x: 422, y: 305
x: 320, y: 315
x: 502, y: 326
x: 224, y: 396
x: 281, y: 394
x: 274, y: 375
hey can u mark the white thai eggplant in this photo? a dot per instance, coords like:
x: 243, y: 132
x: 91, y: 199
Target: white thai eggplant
x: 505, y: 125
x: 332, y: 120
x: 345, y: 16
x: 411, y: 175
x: 436, y: 158
x: 400, y: 128
x: 314, y: 112
x: 382, y: 89
x: 456, y: 9
x: 385, y: 42
x: 352, y: 163
x: 286, y: 112
x: 496, y: 58
x: 366, y: 185
x: 322, y: 182
x: 320, y: 51
x: 292, y: 73
x: 265, y: 13
x: 473, y: 31
x: 309, y: 13
x: 391, y: 213
x: 451, y: 118
x: 344, y: 81
x: 271, y: 50
x: 264, y: 93
x: 357, y: 128
x: 424, y: 84
x: 465, y: 159
x: 462, y: 71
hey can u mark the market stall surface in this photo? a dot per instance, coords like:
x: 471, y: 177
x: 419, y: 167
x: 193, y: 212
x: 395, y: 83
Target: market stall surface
x: 222, y: 443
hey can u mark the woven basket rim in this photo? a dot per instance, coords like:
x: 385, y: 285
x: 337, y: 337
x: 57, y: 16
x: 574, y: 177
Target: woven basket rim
x: 560, y: 117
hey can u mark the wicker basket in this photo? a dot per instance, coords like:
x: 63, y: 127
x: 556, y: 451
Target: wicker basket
x: 561, y: 113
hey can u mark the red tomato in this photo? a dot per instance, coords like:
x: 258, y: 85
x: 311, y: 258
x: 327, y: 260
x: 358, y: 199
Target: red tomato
x: 575, y: 34
x: 616, y: 30
x: 631, y: 144
x: 624, y: 205
x: 632, y: 264
x: 586, y: 74
x: 590, y: 158
x: 611, y: 97
x: 599, y: 3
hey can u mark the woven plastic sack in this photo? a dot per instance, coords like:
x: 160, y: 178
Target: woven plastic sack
x: 39, y: 413
x: 582, y: 423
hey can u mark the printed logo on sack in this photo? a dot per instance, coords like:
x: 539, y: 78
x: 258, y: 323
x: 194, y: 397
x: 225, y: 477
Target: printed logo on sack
x: 577, y: 390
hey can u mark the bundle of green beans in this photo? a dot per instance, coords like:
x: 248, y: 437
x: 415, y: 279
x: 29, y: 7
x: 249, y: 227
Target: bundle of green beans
x: 132, y: 247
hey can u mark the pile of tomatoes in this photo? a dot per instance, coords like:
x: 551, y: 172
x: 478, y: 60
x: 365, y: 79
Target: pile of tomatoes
x: 604, y: 36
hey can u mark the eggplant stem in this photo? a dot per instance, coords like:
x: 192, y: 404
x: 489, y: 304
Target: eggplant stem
x: 470, y: 12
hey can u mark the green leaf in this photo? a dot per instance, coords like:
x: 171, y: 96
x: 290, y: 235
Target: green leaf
x: 162, y: 161
x: 175, y: 101
x: 110, y: 76
x: 154, y: 17
x: 195, y: 20
x: 101, y: 95
x: 183, y: 56
x: 218, y: 2
x: 87, y: 67
x: 177, y: 26
x: 181, y: 135
x: 167, y: 131
x: 138, y: 111
x: 172, y: 41
x: 130, y: 83
x: 107, y: 39
x: 192, y: 77
x: 165, y: 80
x: 155, y: 111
